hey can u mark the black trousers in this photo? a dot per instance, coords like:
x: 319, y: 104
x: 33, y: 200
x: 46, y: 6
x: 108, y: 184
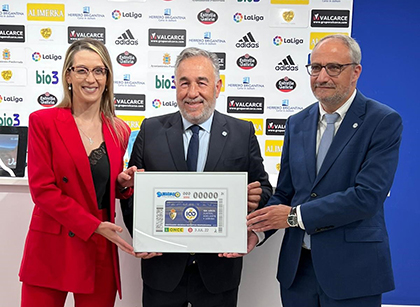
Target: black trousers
x: 192, y: 290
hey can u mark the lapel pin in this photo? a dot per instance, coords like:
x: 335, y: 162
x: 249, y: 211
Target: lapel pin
x: 224, y: 133
x: 355, y: 125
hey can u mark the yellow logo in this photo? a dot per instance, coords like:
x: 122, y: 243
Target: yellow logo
x: 288, y: 15
x: 222, y: 77
x: 133, y: 121
x: 173, y: 229
x: 258, y: 124
x: 46, y: 32
x: 278, y: 167
x: 45, y: 12
x: 6, y: 74
x: 166, y: 59
x: 317, y: 36
x: 6, y: 54
x: 273, y: 148
x: 289, y: 1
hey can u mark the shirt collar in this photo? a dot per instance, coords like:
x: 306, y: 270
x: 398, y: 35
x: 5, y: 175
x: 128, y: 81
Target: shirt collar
x: 204, y: 126
x: 341, y: 110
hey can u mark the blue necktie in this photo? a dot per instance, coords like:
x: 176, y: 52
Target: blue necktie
x: 192, y: 154
x: 324, y: 145
x: 326, y: 139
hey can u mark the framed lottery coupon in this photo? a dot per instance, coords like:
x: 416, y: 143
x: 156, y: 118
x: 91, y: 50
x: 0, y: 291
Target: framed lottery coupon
x: 190, y: 212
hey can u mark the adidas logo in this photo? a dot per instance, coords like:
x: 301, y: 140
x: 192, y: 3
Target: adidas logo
x: 287, y: 64
x: 248, y: 41
x: 126, y: 38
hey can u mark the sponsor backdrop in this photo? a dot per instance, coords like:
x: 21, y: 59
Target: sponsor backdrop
x: 262, y: 45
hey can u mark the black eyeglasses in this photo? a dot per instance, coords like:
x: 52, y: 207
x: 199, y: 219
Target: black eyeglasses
x: 83, y: 72
x: 332, y: 69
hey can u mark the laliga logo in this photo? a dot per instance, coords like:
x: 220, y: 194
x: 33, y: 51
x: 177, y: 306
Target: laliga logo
x: 277, y: 40
x: 116, y: 14
x: 190, y: 214
x: 36, y: 56
x: 238, y: 17
x: 156, y: 103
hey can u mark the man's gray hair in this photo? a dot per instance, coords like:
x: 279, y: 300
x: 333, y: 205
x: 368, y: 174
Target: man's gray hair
x: 193, y: 52
x: 352, y: 45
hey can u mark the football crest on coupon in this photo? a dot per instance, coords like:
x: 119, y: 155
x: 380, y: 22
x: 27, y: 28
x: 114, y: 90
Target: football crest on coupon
x: 190, y: 214
x: 172, y: 214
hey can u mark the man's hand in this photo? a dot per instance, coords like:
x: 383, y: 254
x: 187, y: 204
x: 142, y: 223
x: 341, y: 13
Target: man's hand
x: 109, y: 231
x: 254, y: 195
x: 252, y: 242
x: 272, y: 217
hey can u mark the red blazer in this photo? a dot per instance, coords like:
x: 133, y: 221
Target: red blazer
x: 60, y: 246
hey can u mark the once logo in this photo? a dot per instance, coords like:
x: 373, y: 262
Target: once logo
x: 42, y: 78
x: 126, y: 59
x: 285, y: 85
x: 165, y: 83
x: 246, y: 62
x: 47, y: 100
x: 207, y: 17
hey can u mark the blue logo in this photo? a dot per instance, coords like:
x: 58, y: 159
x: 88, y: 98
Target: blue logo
x: 167, y: 12
x: 5, y: 7
x: 86, y: 9
x: 207, y: 35
x: 127, y: 77
x: 246, y: 80
x: 285, y: 102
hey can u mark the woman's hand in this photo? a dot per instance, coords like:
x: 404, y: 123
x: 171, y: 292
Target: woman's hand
x: 110, y: 232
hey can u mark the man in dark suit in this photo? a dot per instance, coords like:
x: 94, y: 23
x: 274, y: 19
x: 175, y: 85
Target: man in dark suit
x: 330, y: 194
x: 225, y: 144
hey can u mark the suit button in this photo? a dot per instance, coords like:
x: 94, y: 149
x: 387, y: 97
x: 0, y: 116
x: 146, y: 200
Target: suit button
x: 192, y: 254
x: 71, y: 234
x: 313, y: 195
x: 65, y: 179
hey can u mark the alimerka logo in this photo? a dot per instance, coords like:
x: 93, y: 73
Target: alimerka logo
x: 45, y: 12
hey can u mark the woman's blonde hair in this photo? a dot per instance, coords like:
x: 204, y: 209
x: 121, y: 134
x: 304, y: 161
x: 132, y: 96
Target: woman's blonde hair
x: 107, y: 101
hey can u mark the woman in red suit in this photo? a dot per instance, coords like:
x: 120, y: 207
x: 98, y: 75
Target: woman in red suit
x: 75, y: 162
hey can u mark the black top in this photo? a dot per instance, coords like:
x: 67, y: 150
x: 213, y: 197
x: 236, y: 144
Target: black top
x: 99, y: 166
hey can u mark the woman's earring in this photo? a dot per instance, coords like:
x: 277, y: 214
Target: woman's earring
x: 70, y: 87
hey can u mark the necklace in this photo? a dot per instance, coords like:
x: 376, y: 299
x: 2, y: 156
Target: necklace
x: 88, y: 137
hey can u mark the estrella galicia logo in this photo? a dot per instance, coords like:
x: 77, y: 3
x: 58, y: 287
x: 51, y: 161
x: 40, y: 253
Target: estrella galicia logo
x: 275, y: 126
x: 285, y: 85
x: 207, y: 16
x: 330, y: 18
x: 246, y: 62
x: 222, y: 60
x: 168, y: 194
x: 126, y: 59
x: 239, y: 104
x: 167, y: 37
x: 287, y: 64
x: 247, y: 41
x: 47, y: 100
x: 12, y: 33
x: 78, y: 33
x: 130, y: 102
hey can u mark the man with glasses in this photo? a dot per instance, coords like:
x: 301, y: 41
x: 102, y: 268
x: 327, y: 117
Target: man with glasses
x: 338, y: 163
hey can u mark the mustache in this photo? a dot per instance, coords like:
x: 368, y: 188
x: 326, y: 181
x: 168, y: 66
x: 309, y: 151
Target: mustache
x: 324, y: 84
x: 198, y: 99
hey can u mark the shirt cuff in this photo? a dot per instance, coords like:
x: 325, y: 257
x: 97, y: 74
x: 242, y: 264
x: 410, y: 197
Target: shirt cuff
x: 299, y: 218
x: 260, y: 235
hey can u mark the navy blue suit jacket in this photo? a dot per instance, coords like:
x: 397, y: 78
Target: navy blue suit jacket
x: 343, y: 206
x: 233, y: 146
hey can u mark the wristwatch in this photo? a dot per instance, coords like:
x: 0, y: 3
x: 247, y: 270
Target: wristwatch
x: 292, y: 220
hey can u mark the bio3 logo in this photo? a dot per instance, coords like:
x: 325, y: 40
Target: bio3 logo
x: 164, y: 83
x: 43, y: 78
x: 10, y: 120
